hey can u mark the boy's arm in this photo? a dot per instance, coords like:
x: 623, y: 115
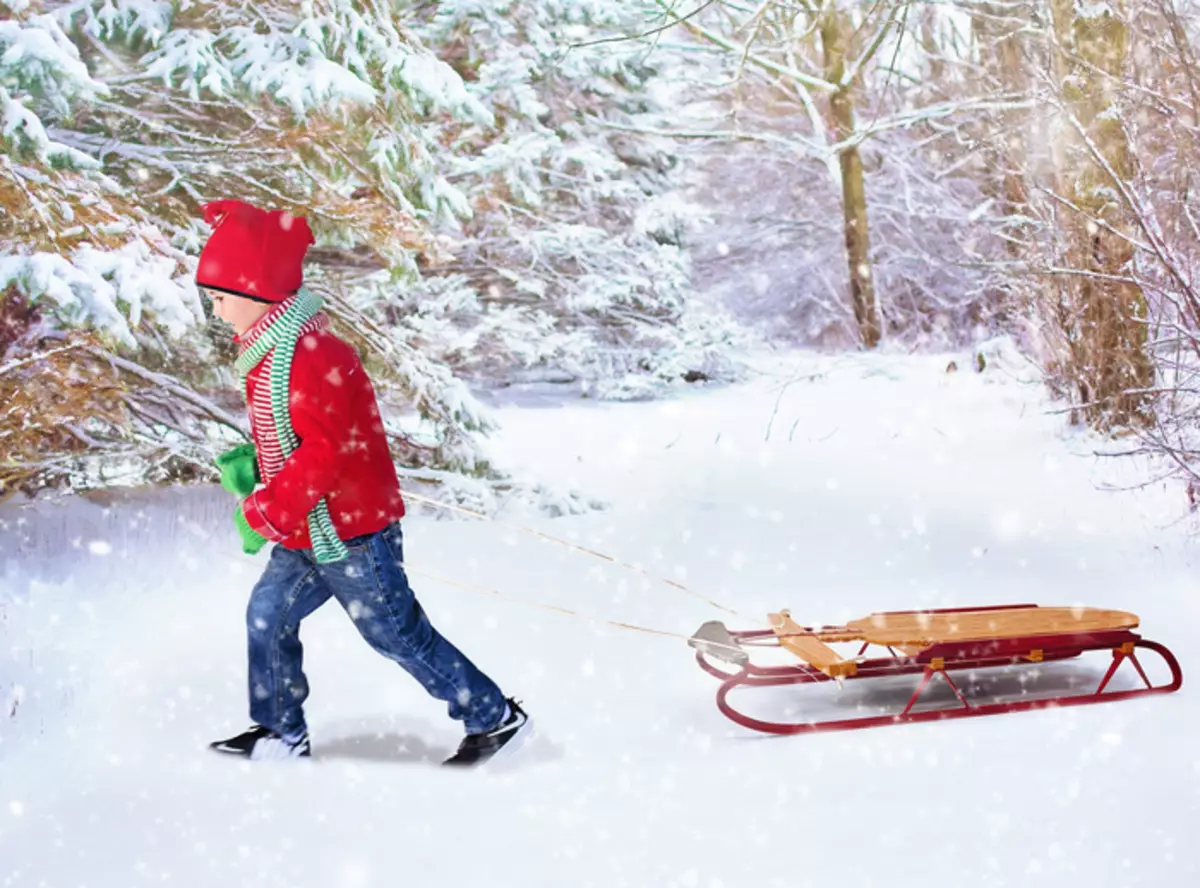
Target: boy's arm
x: 322, y: 378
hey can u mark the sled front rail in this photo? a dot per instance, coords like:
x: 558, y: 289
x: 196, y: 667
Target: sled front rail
x: 932, y: 645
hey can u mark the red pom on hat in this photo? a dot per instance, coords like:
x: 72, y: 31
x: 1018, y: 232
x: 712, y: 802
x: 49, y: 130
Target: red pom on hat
x: 254, y: 253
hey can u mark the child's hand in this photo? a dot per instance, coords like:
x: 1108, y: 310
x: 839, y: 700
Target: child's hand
x: 252, y: 540
x: 239, y: 470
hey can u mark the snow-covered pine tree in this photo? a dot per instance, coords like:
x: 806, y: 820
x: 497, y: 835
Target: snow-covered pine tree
x: 88, y: 251
x: 77, y: 251
x: 574, y: 262
x: 317, y: 107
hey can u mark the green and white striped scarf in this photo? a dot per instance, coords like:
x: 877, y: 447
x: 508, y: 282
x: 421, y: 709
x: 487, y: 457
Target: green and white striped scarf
x: 279, y: 340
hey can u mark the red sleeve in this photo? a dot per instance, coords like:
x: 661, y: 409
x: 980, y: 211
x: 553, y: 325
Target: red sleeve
x: 322, y: 377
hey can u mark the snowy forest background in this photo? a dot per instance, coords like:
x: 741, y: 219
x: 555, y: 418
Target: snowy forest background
x: 619, y: 198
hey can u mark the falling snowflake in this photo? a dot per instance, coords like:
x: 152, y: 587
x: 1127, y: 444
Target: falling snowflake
x: 1008, y: 524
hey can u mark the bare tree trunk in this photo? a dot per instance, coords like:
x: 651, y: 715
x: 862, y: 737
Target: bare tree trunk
x: 1001, y: 35
x: 836, y: 32
x: 1112, y: 369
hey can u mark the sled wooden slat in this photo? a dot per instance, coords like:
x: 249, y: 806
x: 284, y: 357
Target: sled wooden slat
x: 922, y: 629
x: 810, y: 649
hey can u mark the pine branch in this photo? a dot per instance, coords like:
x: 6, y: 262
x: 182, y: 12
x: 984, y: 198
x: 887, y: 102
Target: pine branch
x: 171, y: 385
x: 33, y: 359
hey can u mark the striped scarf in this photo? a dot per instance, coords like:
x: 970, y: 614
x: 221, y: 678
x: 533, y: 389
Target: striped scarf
x: 277, y: 343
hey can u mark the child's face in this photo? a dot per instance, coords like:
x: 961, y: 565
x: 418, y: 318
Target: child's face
x: 237, y: 311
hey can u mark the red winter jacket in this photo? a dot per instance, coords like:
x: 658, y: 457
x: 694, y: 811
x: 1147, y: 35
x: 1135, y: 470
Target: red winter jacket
x: 343, y: 453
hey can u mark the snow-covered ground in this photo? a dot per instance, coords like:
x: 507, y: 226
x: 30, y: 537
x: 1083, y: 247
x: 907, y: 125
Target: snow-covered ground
x: 885, y: 483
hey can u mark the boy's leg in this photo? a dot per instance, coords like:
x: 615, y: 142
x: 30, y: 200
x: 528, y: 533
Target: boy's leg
x: 373, y: 588
x: 289, y: 590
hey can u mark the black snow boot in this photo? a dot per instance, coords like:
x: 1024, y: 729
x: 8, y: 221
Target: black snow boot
x: 259, y: 743
x: 476, y: 749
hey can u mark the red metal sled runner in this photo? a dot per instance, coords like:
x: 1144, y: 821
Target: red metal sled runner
x: 931, y: 644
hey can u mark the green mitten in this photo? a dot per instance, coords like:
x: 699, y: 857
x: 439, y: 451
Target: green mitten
x: 252, y: 540
x: 239, y: 470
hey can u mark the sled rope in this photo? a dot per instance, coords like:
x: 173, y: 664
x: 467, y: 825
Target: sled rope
x: 578, y: 548
x: 633, y: 627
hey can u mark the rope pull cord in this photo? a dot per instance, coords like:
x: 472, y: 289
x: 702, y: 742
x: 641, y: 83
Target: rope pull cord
x: 585, y: 550
x: 735, y: 649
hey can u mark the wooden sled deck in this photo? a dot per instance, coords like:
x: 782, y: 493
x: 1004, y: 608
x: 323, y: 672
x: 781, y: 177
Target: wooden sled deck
x: 931, y: 643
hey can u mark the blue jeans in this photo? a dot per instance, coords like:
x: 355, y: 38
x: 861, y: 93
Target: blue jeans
x: 373, y: 589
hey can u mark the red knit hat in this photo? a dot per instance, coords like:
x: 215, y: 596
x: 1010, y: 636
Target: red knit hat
x: 254, y: 253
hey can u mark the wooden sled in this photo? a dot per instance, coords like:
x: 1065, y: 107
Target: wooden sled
x: 932, y: 644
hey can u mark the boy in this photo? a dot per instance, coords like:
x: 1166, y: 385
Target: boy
x: 319, y: 482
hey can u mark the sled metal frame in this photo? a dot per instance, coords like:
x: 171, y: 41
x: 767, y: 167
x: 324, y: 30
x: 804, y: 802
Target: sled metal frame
x: 932, y: 661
